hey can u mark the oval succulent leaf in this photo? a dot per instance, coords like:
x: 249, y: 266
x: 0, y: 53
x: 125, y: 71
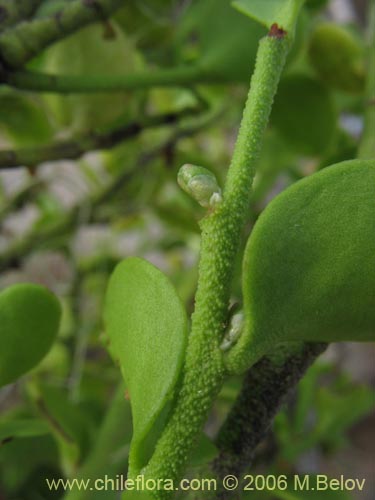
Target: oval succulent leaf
x: 29, y: 322
x: 147, y: 327
x: 309, y: 265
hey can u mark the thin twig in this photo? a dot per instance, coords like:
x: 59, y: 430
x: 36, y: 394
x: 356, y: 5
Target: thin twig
x: 39, y: 238
x: 90, y: 141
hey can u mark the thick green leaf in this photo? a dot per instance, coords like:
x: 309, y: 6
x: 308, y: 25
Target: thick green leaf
x: 309, y: 266
x: 304, y: 114
x: 147, y: 327
x: 267, y: 12
x: 29, y: 321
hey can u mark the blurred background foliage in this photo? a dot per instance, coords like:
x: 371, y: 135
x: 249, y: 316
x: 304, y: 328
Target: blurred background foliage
x: 66, y: 223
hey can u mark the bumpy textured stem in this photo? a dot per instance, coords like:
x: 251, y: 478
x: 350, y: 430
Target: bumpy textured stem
x: 204, y: 369
x: 265, y: 387
x: 67, y: 84
x: 367, y: 146
x: 27, y: 39
x: 12, y: 11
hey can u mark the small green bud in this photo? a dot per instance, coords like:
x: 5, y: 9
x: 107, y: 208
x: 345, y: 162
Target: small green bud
x: 233, y: 332
x: 200, y: 184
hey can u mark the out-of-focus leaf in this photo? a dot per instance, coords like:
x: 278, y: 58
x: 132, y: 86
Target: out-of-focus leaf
x: 304, y: 114
x: 338, y: 57
x: 306, y: 395
x: 320, y: 417
x: 50, y: 209
x: 29, y: 321
x: 316, y: 4
x: 70, y: 424
x: 50, y: 8
x: 226, y: 42
x: 276, y: 158
x: 92, y: 52
x: 20, y: 458
x: 332, y: 407
x: 22, y: 427
x: 23, y: 119
x: 56, y: 362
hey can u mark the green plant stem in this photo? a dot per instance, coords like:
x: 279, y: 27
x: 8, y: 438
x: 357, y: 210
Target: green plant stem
x: 106, y: 458
x: 265, y: 387
x: 367, y: 145
x: 68, y: 84
x: 96, y: 140
x: 29, y: 38
x: 204, y: 369
x: 12, y: 11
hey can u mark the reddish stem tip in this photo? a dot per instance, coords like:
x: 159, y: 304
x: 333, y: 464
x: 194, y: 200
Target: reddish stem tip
x: 277, y: 32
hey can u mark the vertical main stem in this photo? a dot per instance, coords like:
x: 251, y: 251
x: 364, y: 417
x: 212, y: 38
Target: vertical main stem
x: 204, y: 369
